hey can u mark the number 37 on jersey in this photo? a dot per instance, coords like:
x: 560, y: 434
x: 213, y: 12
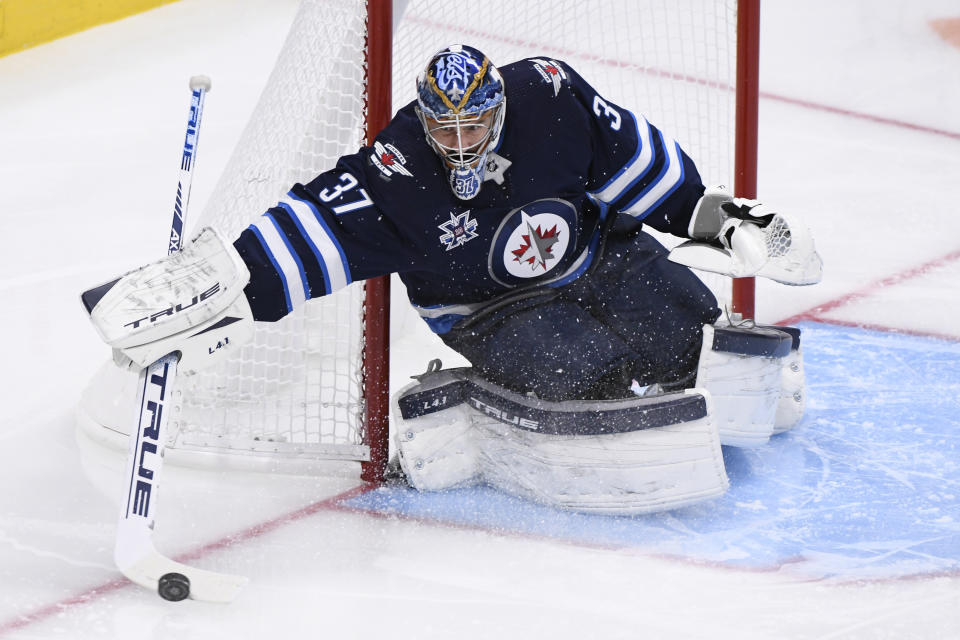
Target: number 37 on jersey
x: 344, y: 196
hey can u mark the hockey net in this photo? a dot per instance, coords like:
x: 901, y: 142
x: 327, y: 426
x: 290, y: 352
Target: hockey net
x: 297, y: 392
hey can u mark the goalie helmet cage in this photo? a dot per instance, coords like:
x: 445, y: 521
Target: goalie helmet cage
x: 314, y: 387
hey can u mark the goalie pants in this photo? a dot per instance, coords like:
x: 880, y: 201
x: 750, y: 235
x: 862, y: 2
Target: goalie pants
x: 634, y: 316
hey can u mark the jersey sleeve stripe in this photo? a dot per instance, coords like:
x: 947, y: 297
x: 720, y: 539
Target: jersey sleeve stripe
x: 328, y: 251
x: 301, y: 293
x: 325, y: 271
x: 273, y: 260
x: 635, y: 168
x: 671, y: 176
x: 294, y: 277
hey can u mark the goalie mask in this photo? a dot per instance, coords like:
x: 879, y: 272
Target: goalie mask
x: 461, y: 105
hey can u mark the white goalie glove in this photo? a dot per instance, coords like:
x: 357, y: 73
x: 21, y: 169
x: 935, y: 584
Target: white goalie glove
x: 190, y: 302
x: 741, y: 238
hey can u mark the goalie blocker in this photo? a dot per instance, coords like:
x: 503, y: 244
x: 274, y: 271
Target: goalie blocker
x: 190, y: 302
x: 619, y: 457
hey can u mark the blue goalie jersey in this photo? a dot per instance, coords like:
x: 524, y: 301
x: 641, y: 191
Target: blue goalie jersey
x: 568, y: 160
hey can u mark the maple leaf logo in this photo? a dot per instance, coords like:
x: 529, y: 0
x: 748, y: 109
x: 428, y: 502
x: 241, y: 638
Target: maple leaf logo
x: 388, y: 159
x: 537, y: 246
x: 551, y: 72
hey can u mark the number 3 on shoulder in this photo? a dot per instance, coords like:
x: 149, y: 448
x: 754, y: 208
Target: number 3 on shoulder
x: 601, y: 108
x: 347, y: 182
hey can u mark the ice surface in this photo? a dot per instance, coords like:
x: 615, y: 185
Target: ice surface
x: 845, y: 528
x: 867, y: 487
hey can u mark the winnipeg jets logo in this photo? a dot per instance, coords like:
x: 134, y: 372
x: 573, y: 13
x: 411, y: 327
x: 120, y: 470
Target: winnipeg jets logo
x: 534, y: 242
x: 536, y: 246
x: 388, y: 159
x: 452, y: 73
x: 552, y: 72
x: 458, y: 230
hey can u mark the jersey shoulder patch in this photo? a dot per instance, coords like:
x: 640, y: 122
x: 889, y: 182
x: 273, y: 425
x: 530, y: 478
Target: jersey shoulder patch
x: 388, y: 160
x: 398, y: 154
x: 552, y: 72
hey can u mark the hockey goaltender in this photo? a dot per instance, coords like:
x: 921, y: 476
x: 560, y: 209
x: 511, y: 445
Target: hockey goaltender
x: 512, y: 202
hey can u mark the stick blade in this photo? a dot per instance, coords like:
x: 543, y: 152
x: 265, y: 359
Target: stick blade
x: 205, y: 586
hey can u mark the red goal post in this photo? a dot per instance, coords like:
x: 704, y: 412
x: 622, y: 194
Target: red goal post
x: 377, y: 314
x: 314, y: 387
x: 743, y: 293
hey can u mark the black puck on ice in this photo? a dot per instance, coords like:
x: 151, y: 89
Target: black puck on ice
x: 173, y: 586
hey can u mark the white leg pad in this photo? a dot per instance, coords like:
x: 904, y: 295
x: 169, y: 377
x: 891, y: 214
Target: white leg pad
x: 793, y: 395
x: 621, y: 473
x: 438, y: 450
x: 618, y: 474
x: 745, y: 386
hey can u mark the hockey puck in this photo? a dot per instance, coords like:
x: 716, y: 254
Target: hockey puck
x: 173, y: 586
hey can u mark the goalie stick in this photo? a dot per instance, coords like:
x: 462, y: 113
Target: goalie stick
x: 134, y: 553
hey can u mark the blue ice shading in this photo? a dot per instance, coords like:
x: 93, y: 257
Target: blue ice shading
x: 866, y: 486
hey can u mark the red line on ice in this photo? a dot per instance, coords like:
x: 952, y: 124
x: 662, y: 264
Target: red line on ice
x: 817, y: 313
x: 94, y: 593
x: 862, y: 116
